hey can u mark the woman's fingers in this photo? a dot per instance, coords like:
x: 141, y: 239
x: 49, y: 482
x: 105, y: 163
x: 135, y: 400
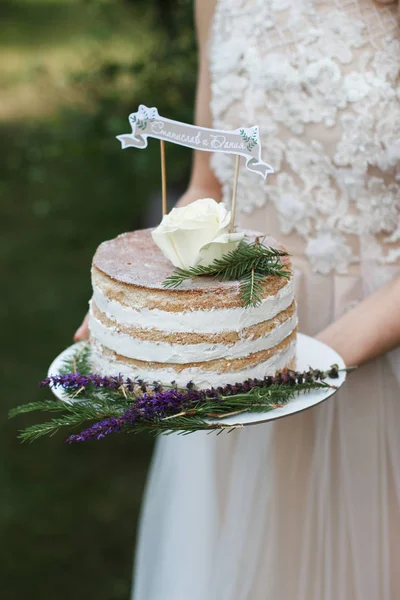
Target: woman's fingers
x: 83, y: 331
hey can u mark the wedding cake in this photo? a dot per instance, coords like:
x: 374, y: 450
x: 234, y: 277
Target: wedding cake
x: 199, y: 332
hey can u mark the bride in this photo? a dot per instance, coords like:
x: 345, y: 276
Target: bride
x: 306, y: 508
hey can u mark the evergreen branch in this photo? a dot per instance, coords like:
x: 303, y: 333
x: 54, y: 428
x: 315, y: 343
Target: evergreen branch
x: 102, y: 407
x: 251, y: 289
x: 79, y: 362
x: 259, y: 399
x: 235, y: 265
x: 273, y: 266
x: 183, y: 426
x: 78, y: 413
x: 34, y: 432
x: 45, y: 405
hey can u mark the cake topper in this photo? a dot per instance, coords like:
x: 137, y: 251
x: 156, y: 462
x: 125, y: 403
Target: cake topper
x: 245, y: 141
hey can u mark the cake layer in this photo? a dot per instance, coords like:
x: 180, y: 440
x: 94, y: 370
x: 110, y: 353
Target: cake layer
x: 165, y: 347
x: 219, y: 365
x: 190, y: 337
x: 222, y: 372
x: 133, y: 258
x: 146, y: 309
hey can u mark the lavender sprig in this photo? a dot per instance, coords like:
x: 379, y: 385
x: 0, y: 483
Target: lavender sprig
x: 76, y: 381
x: 147, y: 408
x: 79, y: 382
x: 116, y: 403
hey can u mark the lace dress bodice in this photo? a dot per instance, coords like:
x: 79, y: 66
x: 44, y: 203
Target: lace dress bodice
x: 321, y: 79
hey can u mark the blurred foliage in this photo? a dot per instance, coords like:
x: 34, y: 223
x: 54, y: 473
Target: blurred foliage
x: 70, y: 74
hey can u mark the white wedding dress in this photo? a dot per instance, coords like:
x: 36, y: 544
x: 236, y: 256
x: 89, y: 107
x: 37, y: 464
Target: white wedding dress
x: 307, y: 508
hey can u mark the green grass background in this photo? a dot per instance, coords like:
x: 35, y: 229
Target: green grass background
x: 70, y: 73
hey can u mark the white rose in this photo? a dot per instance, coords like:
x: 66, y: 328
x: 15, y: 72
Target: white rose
x: 196, y: 234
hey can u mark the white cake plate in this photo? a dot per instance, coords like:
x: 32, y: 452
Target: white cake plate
x: 310, y: 353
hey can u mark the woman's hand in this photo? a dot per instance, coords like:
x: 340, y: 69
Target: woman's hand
x: 82, y: 332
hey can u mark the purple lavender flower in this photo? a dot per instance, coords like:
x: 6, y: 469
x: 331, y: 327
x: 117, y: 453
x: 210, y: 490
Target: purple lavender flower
x: 98, y: 430
x: 75, y: 381
x: 146, y: 408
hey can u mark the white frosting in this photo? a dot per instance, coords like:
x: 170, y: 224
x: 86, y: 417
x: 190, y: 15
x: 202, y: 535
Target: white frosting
x: 203, y: 379
x: 196, y: 321
x: 164, y: 352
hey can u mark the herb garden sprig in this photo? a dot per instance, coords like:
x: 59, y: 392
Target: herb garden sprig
x: 249, y: 263
x: 115, y: 404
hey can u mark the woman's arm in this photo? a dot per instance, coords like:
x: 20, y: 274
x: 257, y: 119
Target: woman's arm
x: 370, y: 329
x: 203, y: 182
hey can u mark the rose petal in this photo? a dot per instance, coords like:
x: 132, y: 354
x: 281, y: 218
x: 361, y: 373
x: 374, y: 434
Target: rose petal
x: 227, y: 242
x: 165, y: 242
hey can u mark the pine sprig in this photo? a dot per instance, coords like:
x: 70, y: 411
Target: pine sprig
x: 80, y: 361
x: 249, y: 263
x: 251, y: 288
x: 75, y: 413
x: 44, y: 405
x: 183, y: 425
x: 34, y: 432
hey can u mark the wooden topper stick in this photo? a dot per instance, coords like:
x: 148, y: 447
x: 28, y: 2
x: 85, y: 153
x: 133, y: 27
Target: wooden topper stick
x: 235, y: 183
x: 163, y: 178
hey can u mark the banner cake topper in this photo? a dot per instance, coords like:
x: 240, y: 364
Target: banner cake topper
x: 146, y: 122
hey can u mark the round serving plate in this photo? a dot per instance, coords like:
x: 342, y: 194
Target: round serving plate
x: 310, y: 353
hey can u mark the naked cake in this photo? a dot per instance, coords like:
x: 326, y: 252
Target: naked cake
x: 199, y: 332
